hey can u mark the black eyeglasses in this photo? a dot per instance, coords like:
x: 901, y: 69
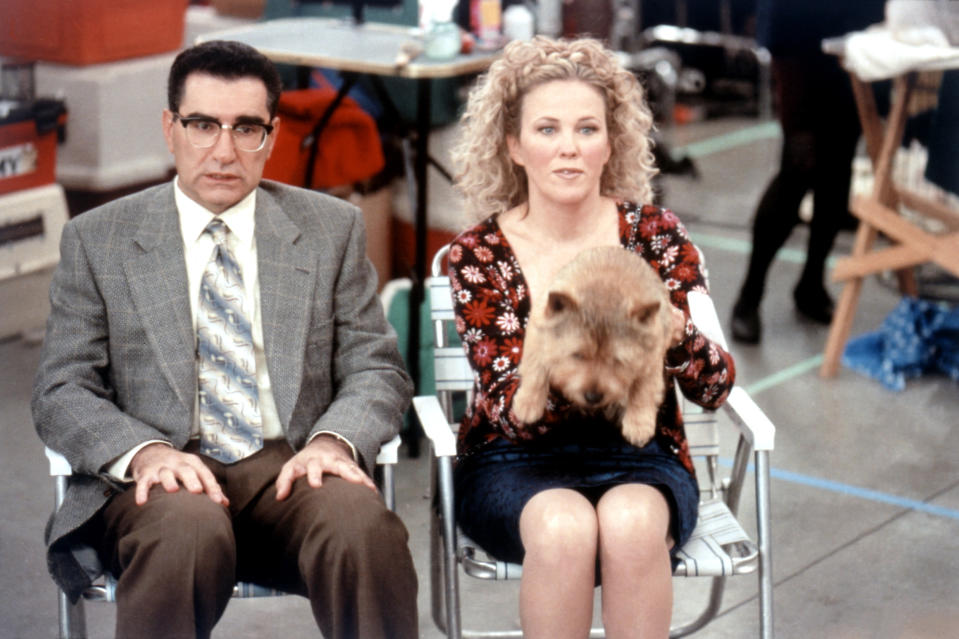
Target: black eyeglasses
x: 203, y: 132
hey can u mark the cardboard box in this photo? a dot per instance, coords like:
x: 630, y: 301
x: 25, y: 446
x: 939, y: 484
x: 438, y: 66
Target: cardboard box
x: 31, y: 222
x: 89, y: 31
x: 239, y: 8
x: 378, y: 219
x: 29, y: 132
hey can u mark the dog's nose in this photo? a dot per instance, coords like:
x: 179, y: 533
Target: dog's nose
x: 593, y: 397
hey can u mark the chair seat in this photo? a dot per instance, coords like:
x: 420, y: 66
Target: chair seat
x: 105, y: 590
x: 718, y: 547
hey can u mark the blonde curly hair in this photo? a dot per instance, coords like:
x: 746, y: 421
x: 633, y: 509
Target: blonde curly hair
x: 487, y: 178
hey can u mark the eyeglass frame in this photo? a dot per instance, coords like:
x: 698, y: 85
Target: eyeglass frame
x: 186, y: 120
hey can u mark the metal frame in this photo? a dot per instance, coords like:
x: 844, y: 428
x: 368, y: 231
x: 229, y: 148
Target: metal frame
x: 450, y: 552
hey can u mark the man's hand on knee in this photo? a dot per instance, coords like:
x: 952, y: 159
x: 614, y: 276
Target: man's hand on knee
x: 322, y: 456
x: 171, y: 468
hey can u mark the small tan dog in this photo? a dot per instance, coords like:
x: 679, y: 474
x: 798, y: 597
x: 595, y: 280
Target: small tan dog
x: 599, y: 339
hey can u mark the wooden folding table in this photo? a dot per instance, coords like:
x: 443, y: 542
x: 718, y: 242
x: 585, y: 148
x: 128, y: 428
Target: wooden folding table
x: 909, y: 242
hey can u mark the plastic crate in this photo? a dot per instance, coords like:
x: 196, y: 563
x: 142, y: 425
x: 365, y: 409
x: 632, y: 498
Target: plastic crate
x: 29, y: 132
x: 89, y: 31
x: 31, y: 222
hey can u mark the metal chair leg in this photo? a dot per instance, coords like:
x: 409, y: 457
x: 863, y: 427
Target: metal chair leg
x: 73, y: 621
x: 451, y: 576
x: 765, y: 545
x: 389, y: 487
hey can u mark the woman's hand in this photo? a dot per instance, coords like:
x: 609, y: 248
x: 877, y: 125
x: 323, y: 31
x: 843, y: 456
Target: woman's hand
x: 678, y: 326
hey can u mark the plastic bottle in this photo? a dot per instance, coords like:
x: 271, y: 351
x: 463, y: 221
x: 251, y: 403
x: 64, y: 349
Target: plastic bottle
x: 517, y: 23
x: 486, y: 22
x: 550, y: 19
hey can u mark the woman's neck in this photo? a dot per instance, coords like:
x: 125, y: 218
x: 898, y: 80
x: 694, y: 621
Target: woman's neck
x: 571, y: 223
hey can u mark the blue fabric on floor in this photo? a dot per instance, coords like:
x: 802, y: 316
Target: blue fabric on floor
x: 917, y: 337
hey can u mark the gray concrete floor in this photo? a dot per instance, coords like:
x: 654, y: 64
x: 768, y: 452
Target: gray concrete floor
x: 865, y: 494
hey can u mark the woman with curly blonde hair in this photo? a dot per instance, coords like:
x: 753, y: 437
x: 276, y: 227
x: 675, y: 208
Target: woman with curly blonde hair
x: 555, y: 158
x: 488, y: 179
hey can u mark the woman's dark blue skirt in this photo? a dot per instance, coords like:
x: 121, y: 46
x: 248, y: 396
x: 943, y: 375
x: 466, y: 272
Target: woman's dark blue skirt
x: 493, y: 484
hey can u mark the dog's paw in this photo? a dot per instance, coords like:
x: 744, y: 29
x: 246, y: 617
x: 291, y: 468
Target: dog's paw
x: 638, y: 429
x: 528, y: 405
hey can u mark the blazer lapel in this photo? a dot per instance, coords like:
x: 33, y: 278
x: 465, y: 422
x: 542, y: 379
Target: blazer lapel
x: 287, y: 279
x: 158, y: 283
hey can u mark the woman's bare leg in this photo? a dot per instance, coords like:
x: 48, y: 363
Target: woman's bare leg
x: 634, y: 558
x: 559, y: 532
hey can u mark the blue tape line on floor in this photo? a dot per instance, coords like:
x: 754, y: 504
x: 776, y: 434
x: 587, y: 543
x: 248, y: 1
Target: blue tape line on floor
x: 784, y: 375
x: 728, y: 141
x: 856, y: 491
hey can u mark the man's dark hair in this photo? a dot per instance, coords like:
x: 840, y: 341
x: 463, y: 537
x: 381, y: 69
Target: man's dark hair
x: 224, y: 59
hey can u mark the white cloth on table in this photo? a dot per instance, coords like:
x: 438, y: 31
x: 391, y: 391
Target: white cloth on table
x: 879, y: 53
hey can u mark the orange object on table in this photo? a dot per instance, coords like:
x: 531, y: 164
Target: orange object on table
x: 349, y: 148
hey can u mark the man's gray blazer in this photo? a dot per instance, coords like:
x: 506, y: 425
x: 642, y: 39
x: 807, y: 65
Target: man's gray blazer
x: 119, y: 361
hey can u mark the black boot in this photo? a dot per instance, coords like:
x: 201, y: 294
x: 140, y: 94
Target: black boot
x: 746, y: 327
x: 814, y: 303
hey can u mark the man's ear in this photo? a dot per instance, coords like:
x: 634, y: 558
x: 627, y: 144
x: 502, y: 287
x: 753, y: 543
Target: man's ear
x: 168, y: 123
x: 271, y: 139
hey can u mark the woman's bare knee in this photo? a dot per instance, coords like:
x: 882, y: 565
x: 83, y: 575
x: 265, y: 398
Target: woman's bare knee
x: 559, y: 522
x: 633, y: 516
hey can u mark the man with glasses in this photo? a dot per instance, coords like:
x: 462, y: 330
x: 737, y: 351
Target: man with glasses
x: 219, y: 374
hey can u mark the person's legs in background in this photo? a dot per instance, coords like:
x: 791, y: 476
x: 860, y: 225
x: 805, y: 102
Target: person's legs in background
x: 837, y: 129
x: 820, y: 132
x: 778, y: 211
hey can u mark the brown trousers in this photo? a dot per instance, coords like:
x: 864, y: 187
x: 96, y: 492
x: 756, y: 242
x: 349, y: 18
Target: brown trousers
x: 178, y: 556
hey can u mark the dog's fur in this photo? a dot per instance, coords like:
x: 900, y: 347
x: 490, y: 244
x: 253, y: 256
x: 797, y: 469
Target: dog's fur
x: 599, y: 338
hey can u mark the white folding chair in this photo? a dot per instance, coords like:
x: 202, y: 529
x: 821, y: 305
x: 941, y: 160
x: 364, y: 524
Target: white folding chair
x: 719, y: 547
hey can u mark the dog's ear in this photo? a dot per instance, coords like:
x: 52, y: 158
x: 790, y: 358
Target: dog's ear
x: 559, y: 302
x: 642, y: 313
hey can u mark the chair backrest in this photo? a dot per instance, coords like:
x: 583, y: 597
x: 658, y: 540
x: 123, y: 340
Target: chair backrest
x: 454, y: 377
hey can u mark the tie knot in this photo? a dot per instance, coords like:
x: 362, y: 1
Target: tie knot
x: 217, y: 230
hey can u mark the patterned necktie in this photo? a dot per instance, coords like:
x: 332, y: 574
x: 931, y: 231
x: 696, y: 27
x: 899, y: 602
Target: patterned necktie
x: 230, y: 424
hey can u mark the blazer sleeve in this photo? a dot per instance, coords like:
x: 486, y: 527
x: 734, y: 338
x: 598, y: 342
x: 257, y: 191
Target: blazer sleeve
x: 74, y: 403
x: 371, y: 387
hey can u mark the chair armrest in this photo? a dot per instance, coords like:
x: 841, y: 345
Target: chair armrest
x: 703, y: 313
x: 435, y: 425
x: 389, y: 452
x: 750, y: 419
x: 59, y: 466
